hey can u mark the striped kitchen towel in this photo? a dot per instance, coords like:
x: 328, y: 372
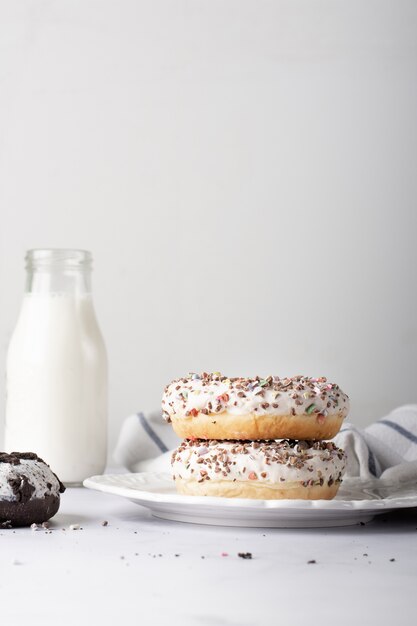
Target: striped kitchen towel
x: 386, y: 450
x: 145, y: 442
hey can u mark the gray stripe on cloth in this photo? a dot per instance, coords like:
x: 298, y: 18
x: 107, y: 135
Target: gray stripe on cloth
x: 399, y: 429
x: 152, y: 434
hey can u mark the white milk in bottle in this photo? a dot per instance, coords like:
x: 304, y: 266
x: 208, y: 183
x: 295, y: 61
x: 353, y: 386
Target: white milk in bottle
x: 56, y: 374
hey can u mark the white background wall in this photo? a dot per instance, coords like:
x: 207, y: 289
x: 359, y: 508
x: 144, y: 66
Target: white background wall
x: 244, y: 173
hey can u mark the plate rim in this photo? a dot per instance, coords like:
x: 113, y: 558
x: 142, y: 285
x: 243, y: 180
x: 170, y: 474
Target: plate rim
x: 147, y: 497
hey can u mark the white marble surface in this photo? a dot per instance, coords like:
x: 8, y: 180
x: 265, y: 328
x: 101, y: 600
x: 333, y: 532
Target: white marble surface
x: 103, y: 575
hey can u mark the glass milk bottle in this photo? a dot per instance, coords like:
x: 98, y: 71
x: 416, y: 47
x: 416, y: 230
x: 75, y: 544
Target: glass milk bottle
x: 56, y: 373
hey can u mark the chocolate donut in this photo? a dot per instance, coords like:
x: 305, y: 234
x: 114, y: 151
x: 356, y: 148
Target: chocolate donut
x: 29, y: 490
x: 267, y: 470
x: 212, y: 406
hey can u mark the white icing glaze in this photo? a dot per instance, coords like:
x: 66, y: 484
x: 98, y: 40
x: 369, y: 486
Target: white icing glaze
x: 271, y: 462
x: 38, y: 474
x: 214, y: 393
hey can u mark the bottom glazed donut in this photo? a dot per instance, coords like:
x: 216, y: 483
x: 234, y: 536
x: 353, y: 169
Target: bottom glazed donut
x: 267, y: 470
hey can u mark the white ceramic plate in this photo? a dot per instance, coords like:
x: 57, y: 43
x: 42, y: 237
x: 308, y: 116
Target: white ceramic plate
x: 357, y: 501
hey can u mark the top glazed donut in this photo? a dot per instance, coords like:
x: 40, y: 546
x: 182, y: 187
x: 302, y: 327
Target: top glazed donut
x: 213, y: 406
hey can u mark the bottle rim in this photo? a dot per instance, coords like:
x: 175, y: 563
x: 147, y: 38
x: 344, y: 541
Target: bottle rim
x: 46, y: 257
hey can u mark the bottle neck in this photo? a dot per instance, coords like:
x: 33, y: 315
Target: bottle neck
x: 58, y: 271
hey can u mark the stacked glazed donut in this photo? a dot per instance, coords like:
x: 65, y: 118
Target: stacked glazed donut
x: 256, y: 437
